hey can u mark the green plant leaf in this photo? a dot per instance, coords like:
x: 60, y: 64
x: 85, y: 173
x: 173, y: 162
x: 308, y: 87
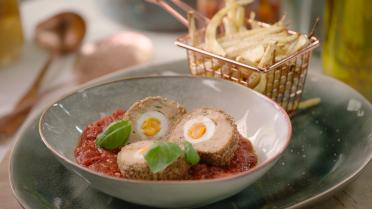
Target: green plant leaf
x: 115, y: 135
x: 191, y: 155
x: 161, y: 154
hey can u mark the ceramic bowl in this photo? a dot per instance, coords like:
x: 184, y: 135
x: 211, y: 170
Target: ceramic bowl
x: 261, y: 120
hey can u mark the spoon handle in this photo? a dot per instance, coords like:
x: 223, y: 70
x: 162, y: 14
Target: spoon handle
x: 11, y: 122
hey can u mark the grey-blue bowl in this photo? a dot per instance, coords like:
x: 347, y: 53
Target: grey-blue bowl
x: 258, y: 118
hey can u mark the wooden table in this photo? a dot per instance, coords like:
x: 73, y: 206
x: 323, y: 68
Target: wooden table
x: 7, y: 201
x: 357, y: 195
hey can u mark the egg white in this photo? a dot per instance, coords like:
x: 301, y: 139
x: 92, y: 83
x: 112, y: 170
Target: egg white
x: 139, y: 154
x: 209, y: 132
x: 153, y: 114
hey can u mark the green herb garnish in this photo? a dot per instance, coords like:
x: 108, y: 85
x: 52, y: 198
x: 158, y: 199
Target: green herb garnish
x: 161, y: 155
x: 191, y: 155
x: 115, y: 135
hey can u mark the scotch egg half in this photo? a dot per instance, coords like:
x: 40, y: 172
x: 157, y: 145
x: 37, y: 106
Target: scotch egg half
x: 212, y: 133
x: 132, y: 164
x: 152, y: 118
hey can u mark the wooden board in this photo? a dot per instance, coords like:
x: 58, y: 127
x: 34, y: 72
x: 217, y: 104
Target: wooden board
x: 7, y: 200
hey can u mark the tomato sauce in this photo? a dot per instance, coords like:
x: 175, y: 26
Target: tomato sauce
x: 104, y: 161
x: 93, y: 157
x: 243, y: 160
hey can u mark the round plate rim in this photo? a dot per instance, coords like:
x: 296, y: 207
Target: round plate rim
x: 317, y: 197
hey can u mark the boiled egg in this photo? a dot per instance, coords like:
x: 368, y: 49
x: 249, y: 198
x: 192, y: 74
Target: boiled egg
x: 152, y: 125
x: 198, y: 130
x: 141, y: 152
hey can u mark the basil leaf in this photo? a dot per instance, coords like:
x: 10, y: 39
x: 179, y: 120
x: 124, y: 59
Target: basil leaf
x: 191, y: 155
x: 115, y: 135
x: 161, y: 154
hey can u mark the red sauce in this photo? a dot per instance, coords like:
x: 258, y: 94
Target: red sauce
x: 93, y: 157
x: 243, y: 160
x: 104, y: 161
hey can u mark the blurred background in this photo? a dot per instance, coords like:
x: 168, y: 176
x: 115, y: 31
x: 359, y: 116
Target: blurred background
x: 50, y: 46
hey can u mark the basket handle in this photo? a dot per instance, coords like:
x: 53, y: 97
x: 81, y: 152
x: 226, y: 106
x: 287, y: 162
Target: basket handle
x: 184, y: 7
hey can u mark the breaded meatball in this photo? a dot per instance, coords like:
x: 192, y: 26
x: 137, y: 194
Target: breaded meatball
x: 153, y: 117
x: 213, y: 133
x: 132, y: 164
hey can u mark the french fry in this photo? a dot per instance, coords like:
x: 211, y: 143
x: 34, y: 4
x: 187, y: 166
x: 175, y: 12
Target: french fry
x: 192, y: 28
x: 301, y: 43
x: 261, y: 86
x: 240, y: 19
x: 254, y: 79
x: 267, y: 57
x: 211, y: 43
x: 309, y: 103
x: 235, y: 51
x: 228, y: 26
x: 245, y: 61
x: 260, y: 46
x: 242, y: 44
x: 250, y: 35
x: 244, y: 2
x: 266, y: 60
x: 230, y: 18
x: 252, y: 21
x: 253, y: 55
x: 281, y: 21
x: 228, y: 21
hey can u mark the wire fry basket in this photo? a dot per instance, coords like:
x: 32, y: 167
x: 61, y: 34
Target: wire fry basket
x: 283, y: 81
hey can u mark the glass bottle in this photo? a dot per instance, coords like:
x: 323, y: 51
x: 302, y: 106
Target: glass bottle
x: 347, y: 48
x: 11, y: 38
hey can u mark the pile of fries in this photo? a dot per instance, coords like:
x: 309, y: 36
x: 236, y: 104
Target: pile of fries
x: 247, y: 42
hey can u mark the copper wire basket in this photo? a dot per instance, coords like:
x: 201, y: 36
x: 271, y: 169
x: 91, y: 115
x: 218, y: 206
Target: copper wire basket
x: 284, y: 80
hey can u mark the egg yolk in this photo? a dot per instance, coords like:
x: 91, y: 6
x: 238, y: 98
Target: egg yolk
x: 151, y: 126
x: 197, y: 130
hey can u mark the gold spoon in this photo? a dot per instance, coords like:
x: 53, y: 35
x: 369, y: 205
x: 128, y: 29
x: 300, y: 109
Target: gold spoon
x: 60, y: 34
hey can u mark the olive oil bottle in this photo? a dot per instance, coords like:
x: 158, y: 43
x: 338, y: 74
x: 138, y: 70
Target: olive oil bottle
x: 11, y: 37
x: 347, y: 47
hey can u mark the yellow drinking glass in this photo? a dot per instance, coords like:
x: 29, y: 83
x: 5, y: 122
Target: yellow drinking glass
x: 11, y: 38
